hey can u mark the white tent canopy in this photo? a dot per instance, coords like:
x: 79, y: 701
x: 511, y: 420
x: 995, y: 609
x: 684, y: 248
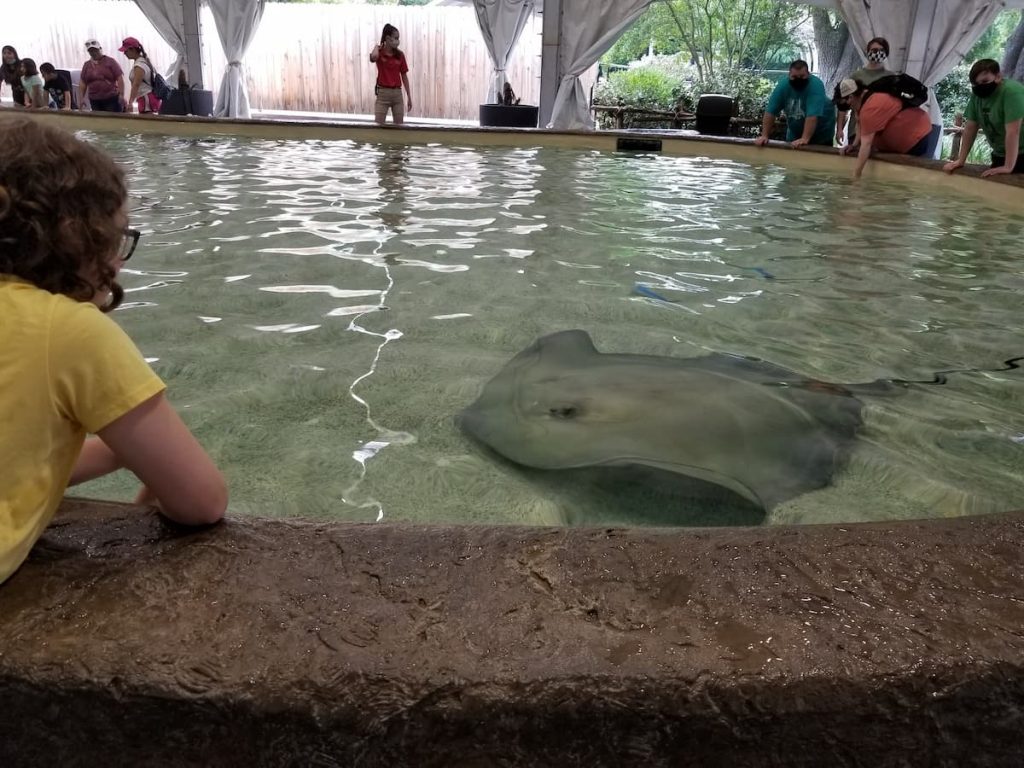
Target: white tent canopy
x: 501, y: 24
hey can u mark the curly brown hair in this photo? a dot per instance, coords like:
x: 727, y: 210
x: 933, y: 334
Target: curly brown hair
x: 60, y: 200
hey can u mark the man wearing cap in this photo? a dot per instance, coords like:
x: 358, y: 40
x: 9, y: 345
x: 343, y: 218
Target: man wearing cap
x: 810, y: 118
x: 102, y: 80
x: 886, y: 124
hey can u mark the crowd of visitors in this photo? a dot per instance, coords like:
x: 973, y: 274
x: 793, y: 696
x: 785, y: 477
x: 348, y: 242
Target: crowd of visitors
x: 101, y: 85
x: 875, y: 109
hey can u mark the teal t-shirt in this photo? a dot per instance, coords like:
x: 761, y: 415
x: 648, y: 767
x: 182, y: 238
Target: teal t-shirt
x: 994, y: 112
x: 799, y: 105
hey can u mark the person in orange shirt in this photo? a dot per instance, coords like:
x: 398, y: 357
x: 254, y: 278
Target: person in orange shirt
x: 66, y: 368
x: 886, y: 124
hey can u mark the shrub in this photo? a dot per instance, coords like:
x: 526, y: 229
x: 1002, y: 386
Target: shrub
x: 665, y: 82
x: 749, y: 87
x: 953, y: 91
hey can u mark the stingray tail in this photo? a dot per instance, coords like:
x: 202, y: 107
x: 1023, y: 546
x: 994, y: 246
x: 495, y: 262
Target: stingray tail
x: 894, y: 386
x: 939, y: 377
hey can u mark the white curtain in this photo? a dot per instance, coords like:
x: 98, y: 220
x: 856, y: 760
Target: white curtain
x: 589, y: 28
x: 237, y: 22
x: 501, y: 23
x: 167, y: 18
x: 928, y: 38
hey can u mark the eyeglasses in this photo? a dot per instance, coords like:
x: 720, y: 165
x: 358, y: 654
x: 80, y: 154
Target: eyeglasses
x: 129, y: 242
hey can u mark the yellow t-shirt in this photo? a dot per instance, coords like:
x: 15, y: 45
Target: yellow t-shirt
x: 66, y: 369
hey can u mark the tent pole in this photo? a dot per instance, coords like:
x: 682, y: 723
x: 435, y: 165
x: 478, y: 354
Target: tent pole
x: 193, y: 36
x: 550, y: 63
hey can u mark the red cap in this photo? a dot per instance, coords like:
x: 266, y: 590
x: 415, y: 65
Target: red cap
x: 129, y: 42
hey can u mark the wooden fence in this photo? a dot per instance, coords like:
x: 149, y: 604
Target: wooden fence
x: 306, y: 57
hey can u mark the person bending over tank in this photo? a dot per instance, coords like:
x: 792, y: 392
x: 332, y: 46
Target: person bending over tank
x: 810, y: 117
x: 997, y: 107
x: 877, y: 54
x: 886, y: 124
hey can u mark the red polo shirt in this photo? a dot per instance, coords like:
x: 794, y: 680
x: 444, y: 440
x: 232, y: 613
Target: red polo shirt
x: 390, y: 69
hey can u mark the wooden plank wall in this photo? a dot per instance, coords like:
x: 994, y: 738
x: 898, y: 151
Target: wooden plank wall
x: 306, y: 57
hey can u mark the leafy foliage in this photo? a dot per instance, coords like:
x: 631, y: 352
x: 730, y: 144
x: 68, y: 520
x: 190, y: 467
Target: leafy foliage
x: 668, y: 82
x: 713, y: 33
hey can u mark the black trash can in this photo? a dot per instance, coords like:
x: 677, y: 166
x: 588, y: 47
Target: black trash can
x: 514, y: 116
x: 191, y: 101
x: 714, y: 113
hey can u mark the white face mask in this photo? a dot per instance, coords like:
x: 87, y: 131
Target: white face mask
x: 878, y: 57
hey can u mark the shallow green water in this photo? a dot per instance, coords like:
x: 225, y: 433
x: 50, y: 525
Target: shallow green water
x: 320, y: 310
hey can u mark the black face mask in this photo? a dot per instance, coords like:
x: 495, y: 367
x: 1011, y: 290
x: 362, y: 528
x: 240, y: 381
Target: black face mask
x: 798, y: 83
x: 983, y: 90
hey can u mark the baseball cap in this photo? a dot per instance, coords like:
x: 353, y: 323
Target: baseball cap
x: 129, y: 42
x: 93, y: 44
x: 847, y: 88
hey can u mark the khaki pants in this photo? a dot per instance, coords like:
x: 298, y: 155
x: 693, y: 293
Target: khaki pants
x: 389, y: 98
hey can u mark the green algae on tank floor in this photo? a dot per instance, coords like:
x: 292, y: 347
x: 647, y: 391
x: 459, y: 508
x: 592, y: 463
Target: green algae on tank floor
x: 322, y: 310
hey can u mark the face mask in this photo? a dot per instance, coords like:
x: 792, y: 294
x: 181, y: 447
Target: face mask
x: 983, y: 90
x: 877, y: 57
x: 799, y: 83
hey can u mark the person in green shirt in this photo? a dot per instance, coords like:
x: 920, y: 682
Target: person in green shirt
x: 877, y: 53
x: 997, y: 108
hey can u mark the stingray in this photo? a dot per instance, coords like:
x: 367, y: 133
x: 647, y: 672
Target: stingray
x: 744, y: 426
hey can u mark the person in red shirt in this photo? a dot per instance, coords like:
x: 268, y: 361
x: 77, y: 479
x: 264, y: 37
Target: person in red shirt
x: 885, y: 124
x: 392, y: 76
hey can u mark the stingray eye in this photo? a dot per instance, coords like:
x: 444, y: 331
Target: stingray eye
x: 563, y: 412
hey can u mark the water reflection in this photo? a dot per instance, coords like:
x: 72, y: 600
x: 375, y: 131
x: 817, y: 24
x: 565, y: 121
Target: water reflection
x: 324, y: 307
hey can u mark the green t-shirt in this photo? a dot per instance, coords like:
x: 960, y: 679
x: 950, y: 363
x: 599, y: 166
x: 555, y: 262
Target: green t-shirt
x: 993, y: 113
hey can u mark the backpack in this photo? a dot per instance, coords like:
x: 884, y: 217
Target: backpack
x: 156, y: 81
x: 911, y: 91
x: 160, y: 87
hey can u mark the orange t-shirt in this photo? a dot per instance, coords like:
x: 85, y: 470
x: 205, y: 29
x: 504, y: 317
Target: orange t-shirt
x: 896, y: 129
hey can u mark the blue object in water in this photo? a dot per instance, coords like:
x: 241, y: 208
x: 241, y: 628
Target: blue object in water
x: 645, y: 290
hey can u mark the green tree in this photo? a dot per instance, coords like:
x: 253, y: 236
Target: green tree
x: 713, y: 33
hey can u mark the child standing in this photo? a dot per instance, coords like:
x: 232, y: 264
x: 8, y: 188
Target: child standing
x: 392, y: 76
x: 66, y: 369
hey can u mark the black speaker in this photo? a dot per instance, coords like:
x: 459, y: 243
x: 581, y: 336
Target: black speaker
x: 714, y: 112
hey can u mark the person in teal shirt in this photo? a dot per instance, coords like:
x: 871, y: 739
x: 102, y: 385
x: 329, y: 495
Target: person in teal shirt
x: 997, y: 108
x: 810, y: 118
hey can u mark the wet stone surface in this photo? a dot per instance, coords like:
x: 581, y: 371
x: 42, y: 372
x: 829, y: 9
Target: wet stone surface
x: 124, y: 641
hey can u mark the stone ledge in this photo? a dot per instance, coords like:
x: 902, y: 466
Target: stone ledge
x: 124, y: 641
